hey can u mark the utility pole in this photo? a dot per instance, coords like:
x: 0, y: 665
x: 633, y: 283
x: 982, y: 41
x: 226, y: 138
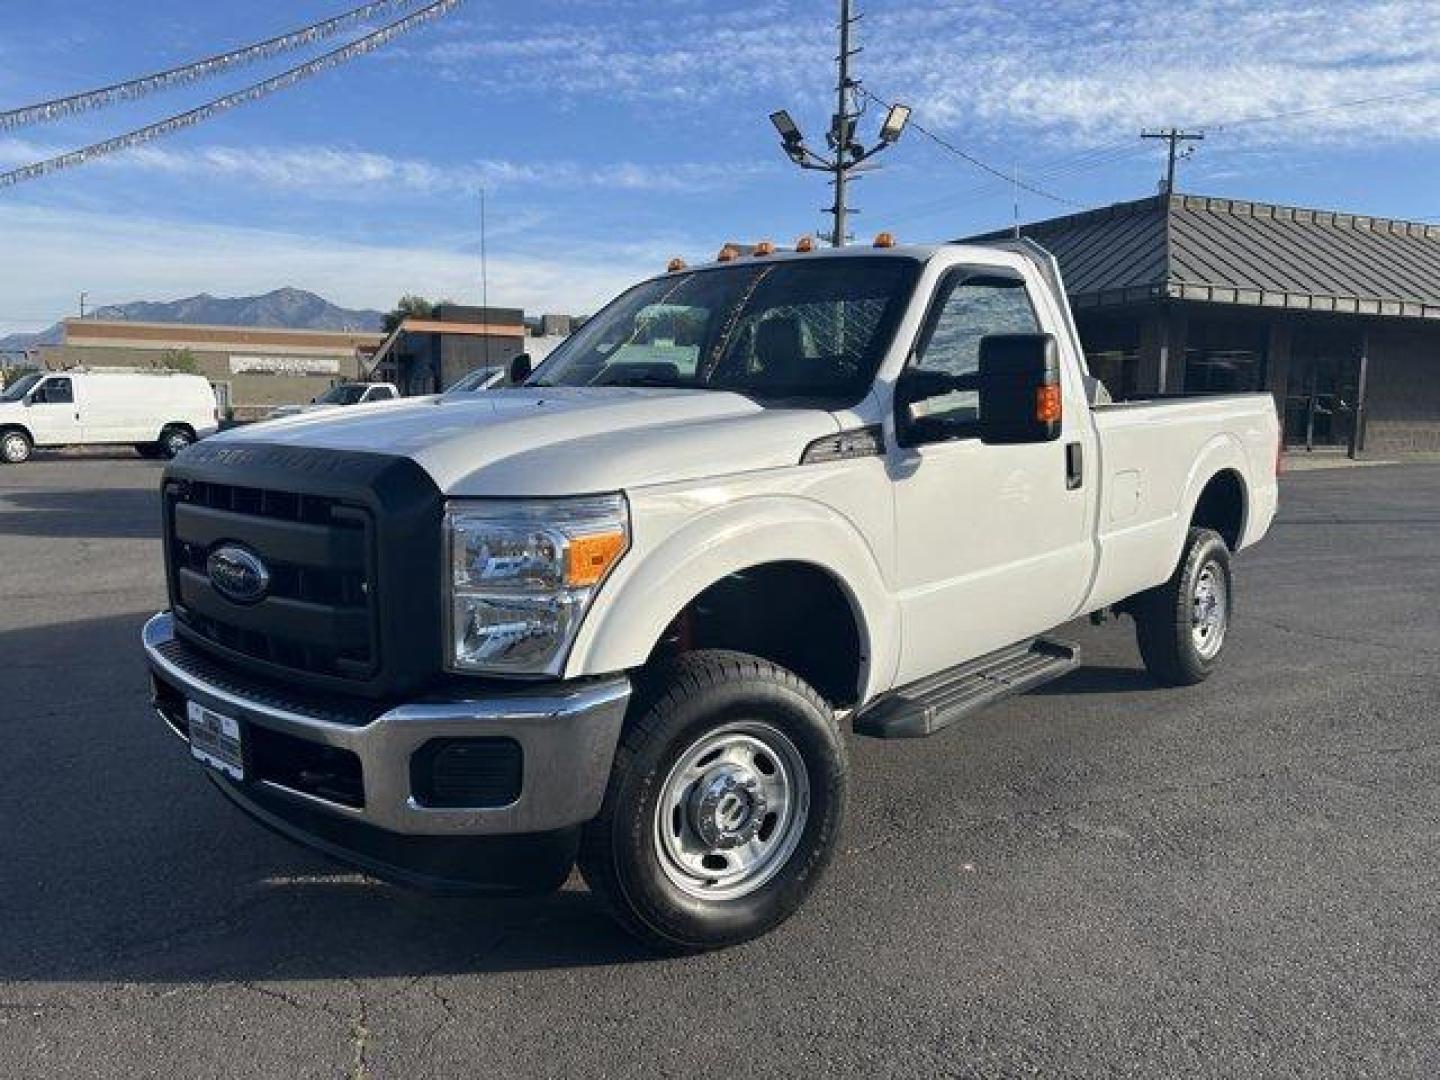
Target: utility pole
x: 1175, y: 138
x: 842, y: 131
x: 847, y: 152
x: 484, y: 279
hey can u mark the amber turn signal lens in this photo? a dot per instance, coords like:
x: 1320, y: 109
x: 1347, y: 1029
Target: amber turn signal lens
x: 590, y: 557
x: 1047, y: 403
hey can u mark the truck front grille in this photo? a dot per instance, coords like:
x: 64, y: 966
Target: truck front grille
x: 319, y: 614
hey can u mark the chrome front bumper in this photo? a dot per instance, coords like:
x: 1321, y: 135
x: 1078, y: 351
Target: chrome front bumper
x: 567, y: 733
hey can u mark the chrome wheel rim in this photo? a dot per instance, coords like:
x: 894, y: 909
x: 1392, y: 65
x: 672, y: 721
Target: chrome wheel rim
x: 14, y: 448
x: 731, y: 811
x: 1209, y: 611
x: 175, y: 442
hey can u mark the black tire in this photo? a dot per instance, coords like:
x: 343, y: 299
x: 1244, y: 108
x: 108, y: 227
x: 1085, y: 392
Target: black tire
x: 712, y: 694
x: 15, y: 447
x: 148, y: 450
x: 174, y: 439
x: 1166, y: 616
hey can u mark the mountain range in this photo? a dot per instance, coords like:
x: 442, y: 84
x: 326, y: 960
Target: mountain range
x: 290, y: 308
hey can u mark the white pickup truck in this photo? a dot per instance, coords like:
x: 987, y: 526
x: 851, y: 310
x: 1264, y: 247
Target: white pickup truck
x: 623, y: 613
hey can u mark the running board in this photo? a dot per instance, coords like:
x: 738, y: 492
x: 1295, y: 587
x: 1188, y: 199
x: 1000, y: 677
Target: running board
x: 926, y: 706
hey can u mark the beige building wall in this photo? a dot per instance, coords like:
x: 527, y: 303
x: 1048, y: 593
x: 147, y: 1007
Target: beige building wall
x: 218, y: 352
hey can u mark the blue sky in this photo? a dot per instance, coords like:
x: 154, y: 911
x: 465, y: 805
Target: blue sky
x: 611, y: 135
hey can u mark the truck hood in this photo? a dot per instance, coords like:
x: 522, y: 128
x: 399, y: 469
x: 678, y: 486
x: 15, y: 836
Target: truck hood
x: 563, y: 440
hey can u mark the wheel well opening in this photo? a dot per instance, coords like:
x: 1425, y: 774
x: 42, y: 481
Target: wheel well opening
x: 1222, y: 507
x: 790, y: 613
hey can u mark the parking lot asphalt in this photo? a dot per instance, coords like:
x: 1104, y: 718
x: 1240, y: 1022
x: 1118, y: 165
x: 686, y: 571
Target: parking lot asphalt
x: 1099, y: 878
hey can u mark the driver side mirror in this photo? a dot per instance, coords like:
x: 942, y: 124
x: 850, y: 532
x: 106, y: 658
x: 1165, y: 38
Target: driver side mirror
x: 1020, y: 394
x: 520, y: 367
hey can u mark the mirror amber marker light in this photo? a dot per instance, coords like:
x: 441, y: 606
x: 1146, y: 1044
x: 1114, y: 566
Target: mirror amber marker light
x: 1047, y: 403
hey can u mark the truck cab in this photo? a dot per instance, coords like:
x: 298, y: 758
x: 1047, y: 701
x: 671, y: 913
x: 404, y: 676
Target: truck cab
x: 622, y: 614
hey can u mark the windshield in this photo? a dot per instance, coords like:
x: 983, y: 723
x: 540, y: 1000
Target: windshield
x: 344, y: 394
x: 476, y: 380
x: 18, y: 389
x: 787, y: 329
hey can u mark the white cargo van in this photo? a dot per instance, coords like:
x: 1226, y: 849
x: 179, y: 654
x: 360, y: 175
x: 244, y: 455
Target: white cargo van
x: 159, y: 413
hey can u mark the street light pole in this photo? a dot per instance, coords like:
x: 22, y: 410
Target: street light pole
x: 847, y: 152
x: 841, y: 129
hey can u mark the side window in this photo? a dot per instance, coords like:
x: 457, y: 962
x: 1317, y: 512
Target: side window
x: 55, y: 392
x: 971, y: 309
x: 380, y: 393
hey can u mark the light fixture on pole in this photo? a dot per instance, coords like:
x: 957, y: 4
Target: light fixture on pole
x: 846, y: 151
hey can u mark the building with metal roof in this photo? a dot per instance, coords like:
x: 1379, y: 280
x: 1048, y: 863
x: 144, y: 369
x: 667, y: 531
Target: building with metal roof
x: 1337, y: 314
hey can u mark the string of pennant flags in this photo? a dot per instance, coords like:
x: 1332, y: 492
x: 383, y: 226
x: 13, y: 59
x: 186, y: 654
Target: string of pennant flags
x: 59, y: 107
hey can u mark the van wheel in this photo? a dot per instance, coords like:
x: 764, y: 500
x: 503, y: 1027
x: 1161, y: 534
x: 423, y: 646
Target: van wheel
x: 724, y: 804
x: 15, y: 447
x: 174, y: 439
x: 1181, y: 626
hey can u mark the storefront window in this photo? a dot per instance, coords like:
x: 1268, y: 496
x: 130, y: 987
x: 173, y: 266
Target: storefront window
x: 1224, y: 357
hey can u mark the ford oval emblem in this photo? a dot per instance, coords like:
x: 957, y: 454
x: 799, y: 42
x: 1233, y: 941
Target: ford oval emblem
x: 238, y: 574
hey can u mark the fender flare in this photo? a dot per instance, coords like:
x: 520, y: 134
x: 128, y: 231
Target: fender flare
x: 1223, y: 453
x: 634, y: 607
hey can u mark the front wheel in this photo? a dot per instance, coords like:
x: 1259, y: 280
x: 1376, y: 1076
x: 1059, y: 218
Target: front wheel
x: 173, y: 440
x: 724, y: 804
x: 15, y: 447
x: 1181, y: 626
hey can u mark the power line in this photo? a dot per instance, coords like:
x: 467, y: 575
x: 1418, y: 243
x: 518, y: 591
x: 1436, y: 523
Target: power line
x: 56, y: 108
x: 1010, y: 179
x: 274, y: 84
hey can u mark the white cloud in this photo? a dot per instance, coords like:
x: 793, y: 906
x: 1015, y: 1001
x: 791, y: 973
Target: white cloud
x: 117, y: 258
x: 1083, y: 71
x: 1074, y: 71
x: 345, y: 172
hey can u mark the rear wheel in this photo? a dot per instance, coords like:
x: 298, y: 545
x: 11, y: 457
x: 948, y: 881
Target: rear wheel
x: 15, y: 447
x: 174, y: 439
x: 1181, y: 626
x: 723, y: 807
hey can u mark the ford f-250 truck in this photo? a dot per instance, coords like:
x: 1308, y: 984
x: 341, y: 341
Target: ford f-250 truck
x: 620, y: 614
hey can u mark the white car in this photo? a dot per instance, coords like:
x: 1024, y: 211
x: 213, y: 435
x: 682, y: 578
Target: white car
x: 624, y: 613
x: 340, y: 396
x: 159, y: 413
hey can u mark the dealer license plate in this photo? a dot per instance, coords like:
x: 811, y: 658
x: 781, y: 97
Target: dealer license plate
x: 216, y: 740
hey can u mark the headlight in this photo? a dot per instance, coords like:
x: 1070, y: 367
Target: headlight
x: 522, y: 575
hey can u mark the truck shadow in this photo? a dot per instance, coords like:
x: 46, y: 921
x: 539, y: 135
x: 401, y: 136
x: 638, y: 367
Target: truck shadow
x: 1100, y: 679
x: 122, y: 865
x: 115, y: 513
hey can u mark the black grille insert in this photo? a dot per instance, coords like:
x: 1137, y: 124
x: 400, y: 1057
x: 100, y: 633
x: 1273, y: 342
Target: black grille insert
x: 319, y: 614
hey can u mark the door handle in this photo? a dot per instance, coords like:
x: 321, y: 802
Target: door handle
x: 1074, y: 466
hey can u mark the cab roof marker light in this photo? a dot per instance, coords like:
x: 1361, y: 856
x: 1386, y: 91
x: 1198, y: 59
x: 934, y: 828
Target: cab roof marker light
x: 675, y: 265
x: 764, y: 247
x: 884, y: 240
x: 727, y: 254
x: 804, y: 244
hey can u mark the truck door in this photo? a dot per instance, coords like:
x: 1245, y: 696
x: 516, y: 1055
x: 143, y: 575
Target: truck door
x: 993, y: 544
x: 54, y: 413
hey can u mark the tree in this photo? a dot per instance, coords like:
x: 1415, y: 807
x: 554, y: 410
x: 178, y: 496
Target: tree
x: 182, y: 360
x: 408, y: 307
